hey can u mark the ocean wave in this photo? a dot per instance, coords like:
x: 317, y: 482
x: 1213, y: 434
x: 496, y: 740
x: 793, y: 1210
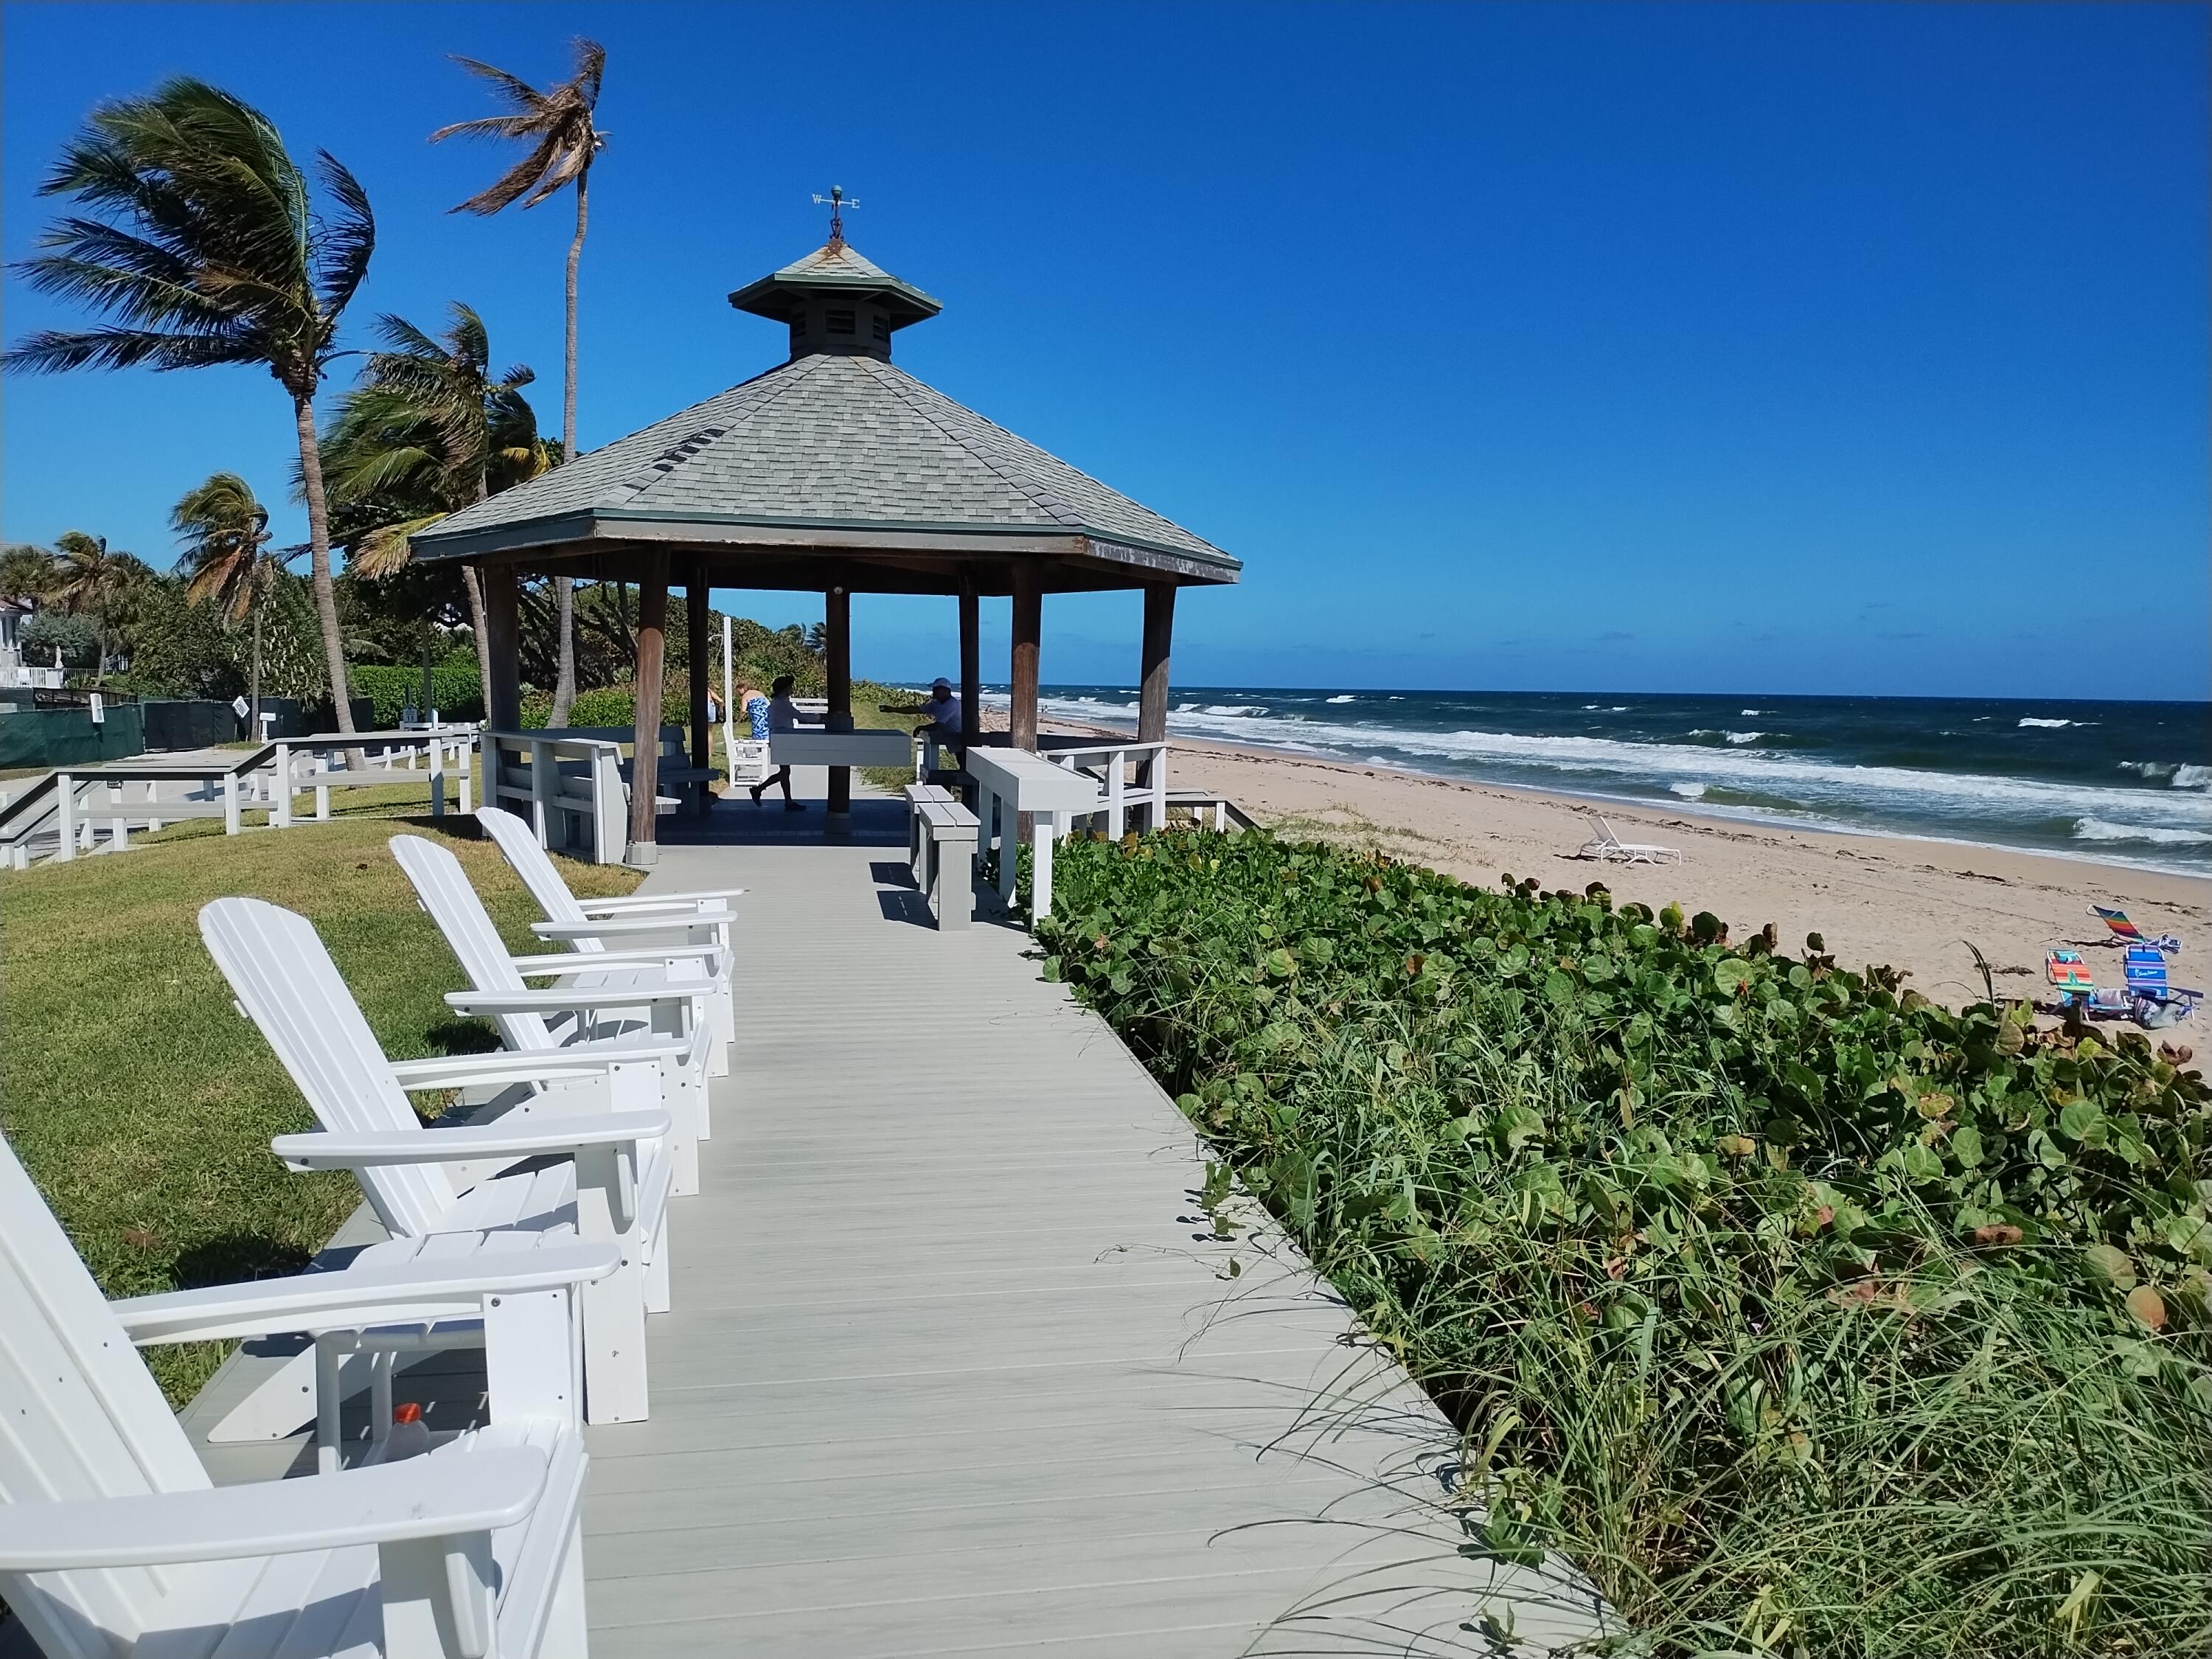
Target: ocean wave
x: 1743, y: 737
x: 2054, y: 726
x: 1688, y: 790
x: 1749, y: 712
x: 1779, y: 773
x: 2176, y: 775
x: 1346, y: 697
x: 2102, y: 830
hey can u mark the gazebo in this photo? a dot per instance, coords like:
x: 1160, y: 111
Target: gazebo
x: 833, y: 472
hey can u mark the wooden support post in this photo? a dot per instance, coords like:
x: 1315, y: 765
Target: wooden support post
x: 645, y: 760
x: 971, y: 660
x: 1029, y: 627
x: 703, y: 740
x: 837, y: 621
x: 502, y: 599
x: 1153, y: 694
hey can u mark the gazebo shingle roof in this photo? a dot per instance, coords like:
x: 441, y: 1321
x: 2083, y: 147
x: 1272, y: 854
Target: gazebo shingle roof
x: 847, y: 442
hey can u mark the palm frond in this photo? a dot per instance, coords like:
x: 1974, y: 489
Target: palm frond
x: 591, y: 68
x: 571, y: 162
x: 490, y: 126
x: 348, y: 236
x: 510, y: 185
x: 401, y: 337
x: 53, y: 351
x: 385, y: 549
x: 516, y: 90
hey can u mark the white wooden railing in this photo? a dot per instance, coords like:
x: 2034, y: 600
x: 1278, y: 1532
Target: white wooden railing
x: 1109, y: 762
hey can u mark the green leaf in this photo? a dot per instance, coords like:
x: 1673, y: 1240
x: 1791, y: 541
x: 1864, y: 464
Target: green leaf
x: 1918, y: 1163
x: 2079, y: 1118
x: 1518, y: 1126
x: 1730, y: 975
x: 1966, y: 1145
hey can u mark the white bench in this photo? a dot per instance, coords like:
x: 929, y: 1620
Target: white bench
x: 941, y: 846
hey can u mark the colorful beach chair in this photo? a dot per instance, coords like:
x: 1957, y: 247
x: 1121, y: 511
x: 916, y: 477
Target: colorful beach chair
x: 2157, y: 1001
x: 2075, y: 988
x: 2128, y: 933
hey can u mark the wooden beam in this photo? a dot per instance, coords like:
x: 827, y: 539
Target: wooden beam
x: 1152, y: 693
x: 644, y: 761
x: 1029, y: 629
x: 502, y: 602
x: 971, y: 658
x: 837, y: 617
x: 702, y: 735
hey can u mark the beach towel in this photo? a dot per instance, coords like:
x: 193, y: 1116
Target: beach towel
x: 2128, y: 933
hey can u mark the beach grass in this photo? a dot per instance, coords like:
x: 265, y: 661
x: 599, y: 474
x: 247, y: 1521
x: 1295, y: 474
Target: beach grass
x: 1806, y: 1317
x: 140, y: 1100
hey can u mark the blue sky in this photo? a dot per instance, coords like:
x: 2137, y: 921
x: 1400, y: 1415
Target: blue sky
x: 1788, y: 348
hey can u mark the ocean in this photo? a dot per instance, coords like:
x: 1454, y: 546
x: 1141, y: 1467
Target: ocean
x: 2121, y: 782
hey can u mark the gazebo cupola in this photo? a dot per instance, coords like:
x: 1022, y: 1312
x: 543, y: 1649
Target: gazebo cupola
x: 836, y: 303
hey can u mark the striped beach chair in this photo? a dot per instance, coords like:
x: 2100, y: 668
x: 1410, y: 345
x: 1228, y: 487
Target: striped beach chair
x: 2128, y: 933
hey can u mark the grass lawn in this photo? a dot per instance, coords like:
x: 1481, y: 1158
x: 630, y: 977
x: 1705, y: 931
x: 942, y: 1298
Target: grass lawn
x: 143, y: 1103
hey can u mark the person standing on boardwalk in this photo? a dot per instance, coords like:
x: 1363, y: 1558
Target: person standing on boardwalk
x: 778, y: 713
x: 944, y: 711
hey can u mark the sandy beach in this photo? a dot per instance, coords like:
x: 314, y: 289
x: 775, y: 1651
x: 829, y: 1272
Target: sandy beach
x: 1915, y: 904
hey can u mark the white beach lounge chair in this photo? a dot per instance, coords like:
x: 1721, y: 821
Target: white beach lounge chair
x: 113, y: 1542
x: 605, y: 1176
x: 1607, y: 846
x: 673, y: 1004
x: 590, y: 926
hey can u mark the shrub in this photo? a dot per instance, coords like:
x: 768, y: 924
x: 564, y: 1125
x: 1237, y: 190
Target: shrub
x: 79, y: 645
x: 456, y: 688
x: 1809, y: 1316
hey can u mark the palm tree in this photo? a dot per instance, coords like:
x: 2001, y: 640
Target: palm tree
x: 27, y: 572
x: 557, y: 125
x: 226, y: 560
x: 90, y: 581
x: 429, y: 431
x: 202, y: 238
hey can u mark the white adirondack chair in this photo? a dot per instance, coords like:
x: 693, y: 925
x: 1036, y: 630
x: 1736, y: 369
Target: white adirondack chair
x: 113, y: 1542
x: 609, y: 1181
x: 672, y: 1001
x: 590, y: 925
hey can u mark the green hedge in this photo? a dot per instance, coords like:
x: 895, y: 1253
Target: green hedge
x: 456, y: 688
x: 1809, y: 1316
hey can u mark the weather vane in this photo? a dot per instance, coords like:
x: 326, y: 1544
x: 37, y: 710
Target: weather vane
x: 838, y: 202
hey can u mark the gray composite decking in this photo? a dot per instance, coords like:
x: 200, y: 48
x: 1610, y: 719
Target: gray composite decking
x: 956, y: 1364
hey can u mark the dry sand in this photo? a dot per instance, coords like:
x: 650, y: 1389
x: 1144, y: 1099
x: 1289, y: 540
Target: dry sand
x: 1914, y: 904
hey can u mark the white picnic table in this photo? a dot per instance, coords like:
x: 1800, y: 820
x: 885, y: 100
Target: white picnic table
x: 1014, y: 781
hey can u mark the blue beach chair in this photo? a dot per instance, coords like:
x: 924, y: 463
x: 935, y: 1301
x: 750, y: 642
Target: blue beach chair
x: 2157, y: 1001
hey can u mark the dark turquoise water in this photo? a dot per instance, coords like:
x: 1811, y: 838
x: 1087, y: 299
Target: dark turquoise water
x: 2120, y: 782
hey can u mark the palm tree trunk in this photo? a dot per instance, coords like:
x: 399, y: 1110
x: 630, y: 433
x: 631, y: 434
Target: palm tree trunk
x: 319, y: 562
x: 474, y: 583
x: 253, y: 681
x: 564, y: 601
x: 472, y: 580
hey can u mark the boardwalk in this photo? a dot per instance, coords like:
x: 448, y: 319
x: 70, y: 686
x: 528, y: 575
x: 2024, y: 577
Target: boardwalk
x: 956, y: 1364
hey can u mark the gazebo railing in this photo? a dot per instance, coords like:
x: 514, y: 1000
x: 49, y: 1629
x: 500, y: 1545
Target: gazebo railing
x: 1109, y: 762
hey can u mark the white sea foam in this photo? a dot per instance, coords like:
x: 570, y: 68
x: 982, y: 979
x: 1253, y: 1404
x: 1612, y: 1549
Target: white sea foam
x: 1749, y: 711
x: 1744, y: 736
x: 2031, y: 719
x: 1346, y: 697
x: 1975, y: 807
x: 2103, y: 830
